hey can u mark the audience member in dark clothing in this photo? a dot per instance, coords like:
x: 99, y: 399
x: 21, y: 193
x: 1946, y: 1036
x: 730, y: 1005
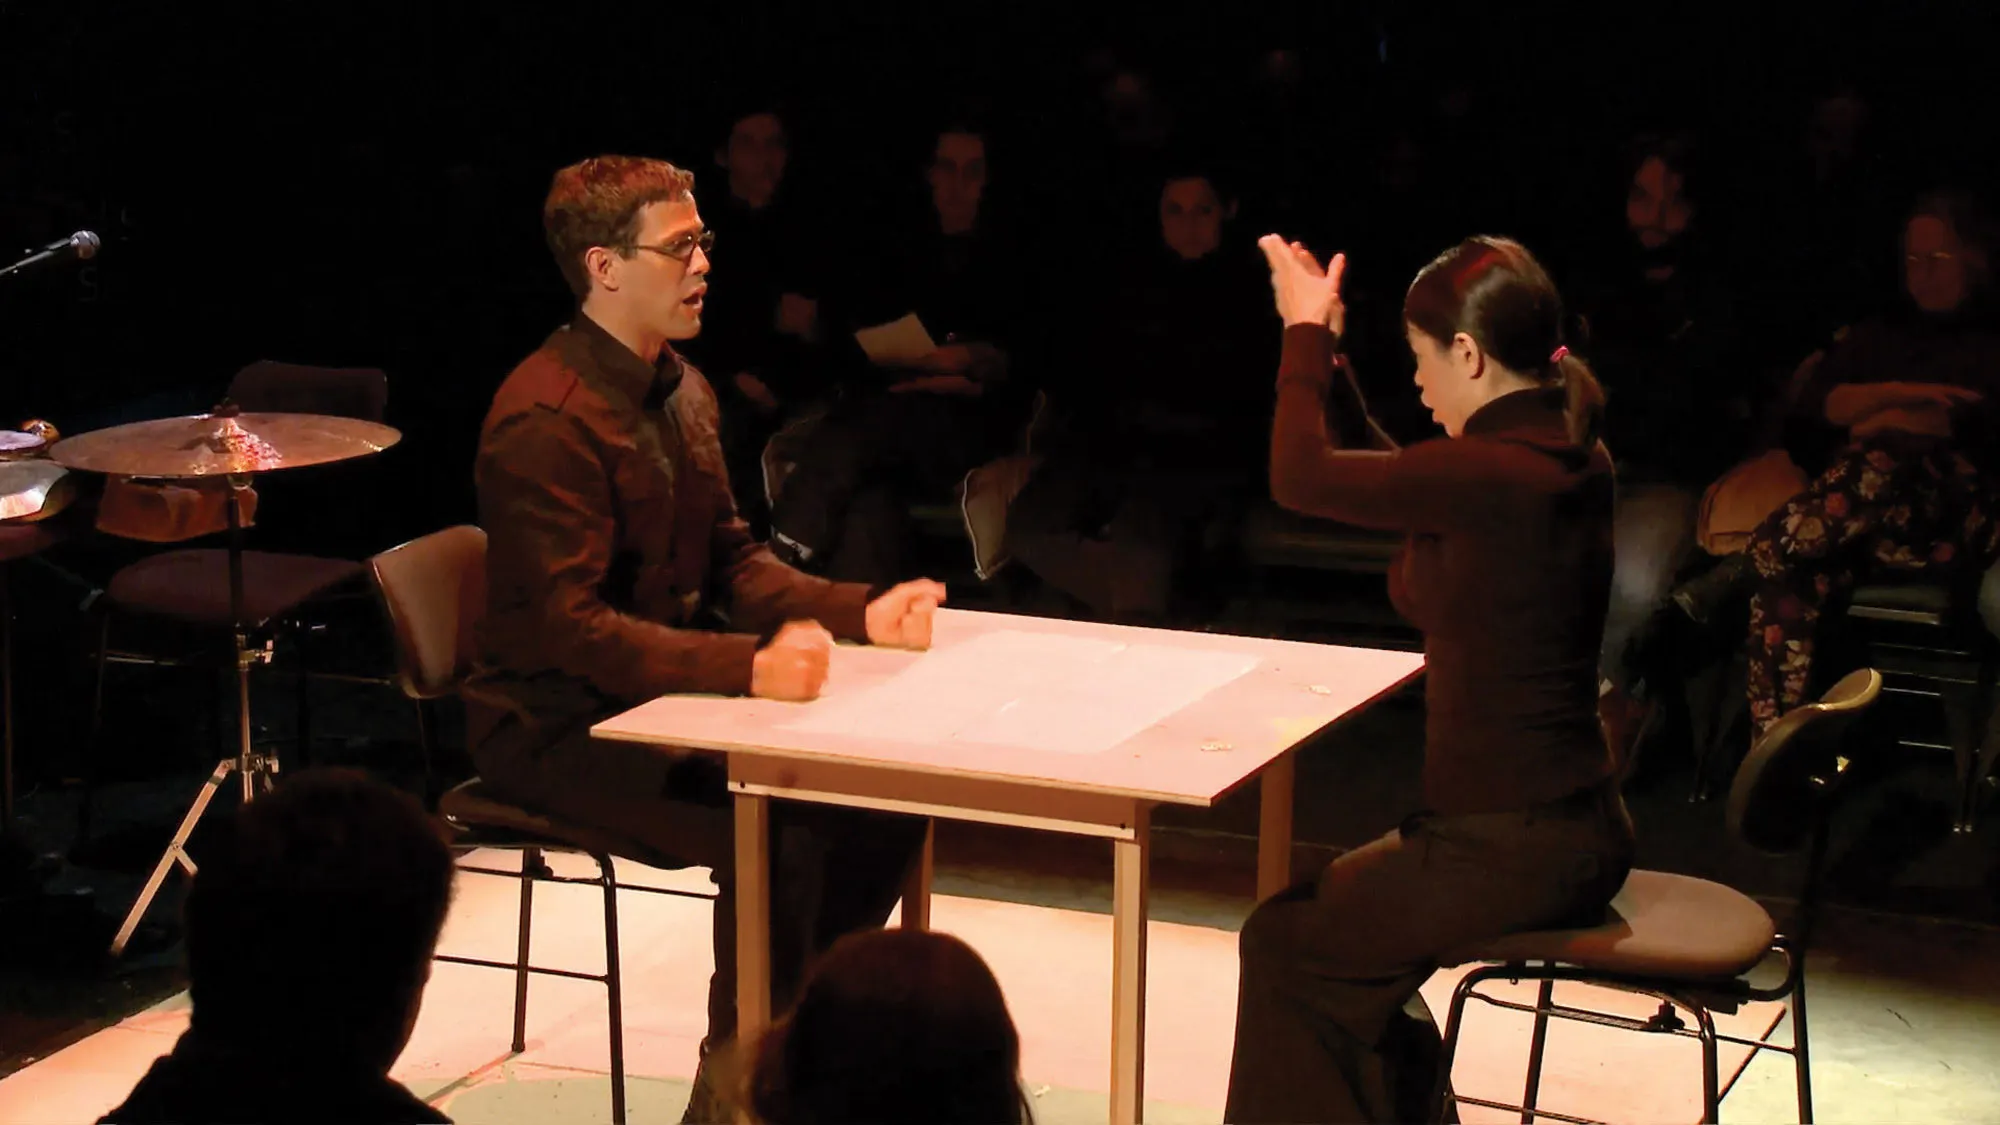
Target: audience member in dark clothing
x: 760, y: 325
x: 1912, y: 482
x: 1833, y: 209
x: 896, y: 1027
x: 1164, y: 417
x: 911, y: 426
x: 1506, y: 570
x: 310, y: 929
x: 1110, y: 142
x: 1661, y: 337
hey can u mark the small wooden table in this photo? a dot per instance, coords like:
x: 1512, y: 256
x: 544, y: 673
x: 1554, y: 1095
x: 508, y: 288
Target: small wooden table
x: 1057, y: 725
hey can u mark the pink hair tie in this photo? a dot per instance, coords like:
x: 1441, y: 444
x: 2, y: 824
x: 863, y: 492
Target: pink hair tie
x: 1561, y: 353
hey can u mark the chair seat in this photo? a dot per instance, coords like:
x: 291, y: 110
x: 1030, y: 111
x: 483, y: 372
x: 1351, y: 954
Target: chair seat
x: 1273, y: 536
x: 20, y: 540
x: 484, y: 820
x: 1660, y: 925
x: 193, y: 585
x: 1916, y: 601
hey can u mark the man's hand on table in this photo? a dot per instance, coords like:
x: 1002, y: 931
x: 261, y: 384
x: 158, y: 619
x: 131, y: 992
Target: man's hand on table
x: 901, y: 618
x: 792, y: 668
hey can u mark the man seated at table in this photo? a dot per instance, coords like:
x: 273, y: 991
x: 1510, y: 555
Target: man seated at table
x: 618, y: 571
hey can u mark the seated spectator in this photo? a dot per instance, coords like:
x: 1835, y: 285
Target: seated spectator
x: 914, y: 426
x: 895, y: 1026
x: 1164, y: 420
x: 1661, y: 338
x: 1834, y: 212
x: 310, y: 929
x: 760, y: 324
x: 1906, y: 474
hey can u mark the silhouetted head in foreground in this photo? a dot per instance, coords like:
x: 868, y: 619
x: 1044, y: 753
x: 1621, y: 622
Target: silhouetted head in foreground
x: 895, y: 1026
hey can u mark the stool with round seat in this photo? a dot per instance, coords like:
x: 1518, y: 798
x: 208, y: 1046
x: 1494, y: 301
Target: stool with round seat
x: 433, y: 591
x: 1691, y: 943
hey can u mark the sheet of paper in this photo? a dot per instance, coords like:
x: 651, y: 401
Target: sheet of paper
x: 902, y: 341
x: 1037, y: 691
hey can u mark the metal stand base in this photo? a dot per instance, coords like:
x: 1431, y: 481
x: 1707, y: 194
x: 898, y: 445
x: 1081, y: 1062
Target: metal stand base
x: 256, y: 771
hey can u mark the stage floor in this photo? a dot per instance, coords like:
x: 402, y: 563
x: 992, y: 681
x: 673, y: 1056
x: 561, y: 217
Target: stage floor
x: 1054, y: 964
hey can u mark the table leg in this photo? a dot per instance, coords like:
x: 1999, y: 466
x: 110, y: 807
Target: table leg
x: 917, y: 887
x: 1128, y: 971
x: 753, y: 915
x: 1274, y: 826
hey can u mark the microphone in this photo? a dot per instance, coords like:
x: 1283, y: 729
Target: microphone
x: 83, y: 244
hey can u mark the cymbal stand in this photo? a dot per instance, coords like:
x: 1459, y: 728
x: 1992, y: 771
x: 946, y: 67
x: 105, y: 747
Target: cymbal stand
x: 255, y: 770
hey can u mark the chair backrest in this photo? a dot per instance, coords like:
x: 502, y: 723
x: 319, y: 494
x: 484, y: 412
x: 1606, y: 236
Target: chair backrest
x: 268, y: 387
x: 1784, y: 789
x: 434, y: 592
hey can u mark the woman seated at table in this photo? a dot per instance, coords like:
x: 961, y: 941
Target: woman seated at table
x: 1507, y: 569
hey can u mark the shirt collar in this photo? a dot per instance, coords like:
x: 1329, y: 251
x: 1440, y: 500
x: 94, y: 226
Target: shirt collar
x: 645, y: 383
x: 1535, y: 408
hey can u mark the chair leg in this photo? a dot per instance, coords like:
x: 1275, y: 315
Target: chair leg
x: 93, y: 747
x: 1802, y: 1050
x: 302, y: 687
x: 531, y: 860
x: 1711, y: 1098
x: 1536, y: 1047
x: 220, y: 732
x: 1987, y: 750
x: 1441, y: 1097
x: 426, y: 749
x: 1961, y: 719
x: 1724, y: 706
x: 614, y: 991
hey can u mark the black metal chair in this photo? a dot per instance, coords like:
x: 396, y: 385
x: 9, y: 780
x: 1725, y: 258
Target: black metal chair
x: 1928, y: 641
x: 189, y: 587
x: 1690, y: 943
x: 433, y: 591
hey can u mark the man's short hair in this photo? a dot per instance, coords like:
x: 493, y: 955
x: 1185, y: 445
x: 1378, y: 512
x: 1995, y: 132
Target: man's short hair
x: 596, y: 202
x: 313, y: 916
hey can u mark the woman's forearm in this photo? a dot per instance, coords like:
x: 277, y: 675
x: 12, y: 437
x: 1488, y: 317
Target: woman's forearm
x: 1849, y: 404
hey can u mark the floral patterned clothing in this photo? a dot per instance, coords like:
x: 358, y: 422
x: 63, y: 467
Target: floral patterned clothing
x: 1893, y: 502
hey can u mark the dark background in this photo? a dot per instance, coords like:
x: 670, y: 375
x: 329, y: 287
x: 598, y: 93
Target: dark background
x: 359, y: 183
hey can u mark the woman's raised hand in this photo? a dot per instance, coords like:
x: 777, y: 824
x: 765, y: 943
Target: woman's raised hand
x: 1306, y: 294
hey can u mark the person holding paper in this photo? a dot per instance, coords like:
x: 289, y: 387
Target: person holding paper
x: 937, y: 394
x: 1507, y: 569
x: 618, y: 571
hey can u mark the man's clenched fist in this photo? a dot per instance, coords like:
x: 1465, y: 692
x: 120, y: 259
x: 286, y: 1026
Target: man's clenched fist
x: 902, y: 617
x: 792, y: 667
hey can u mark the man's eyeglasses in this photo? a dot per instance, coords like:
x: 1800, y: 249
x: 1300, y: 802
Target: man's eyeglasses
x: 682, y: 249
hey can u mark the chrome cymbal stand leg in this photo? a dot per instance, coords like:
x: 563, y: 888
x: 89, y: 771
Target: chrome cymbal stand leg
x: 251, y: 767
x: 176, y: 855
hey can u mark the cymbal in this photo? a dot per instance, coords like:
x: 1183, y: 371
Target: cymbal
x: 33, y: 488
x: 206, y: 445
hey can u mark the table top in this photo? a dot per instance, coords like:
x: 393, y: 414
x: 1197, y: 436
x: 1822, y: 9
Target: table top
x: 1152, y: 714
